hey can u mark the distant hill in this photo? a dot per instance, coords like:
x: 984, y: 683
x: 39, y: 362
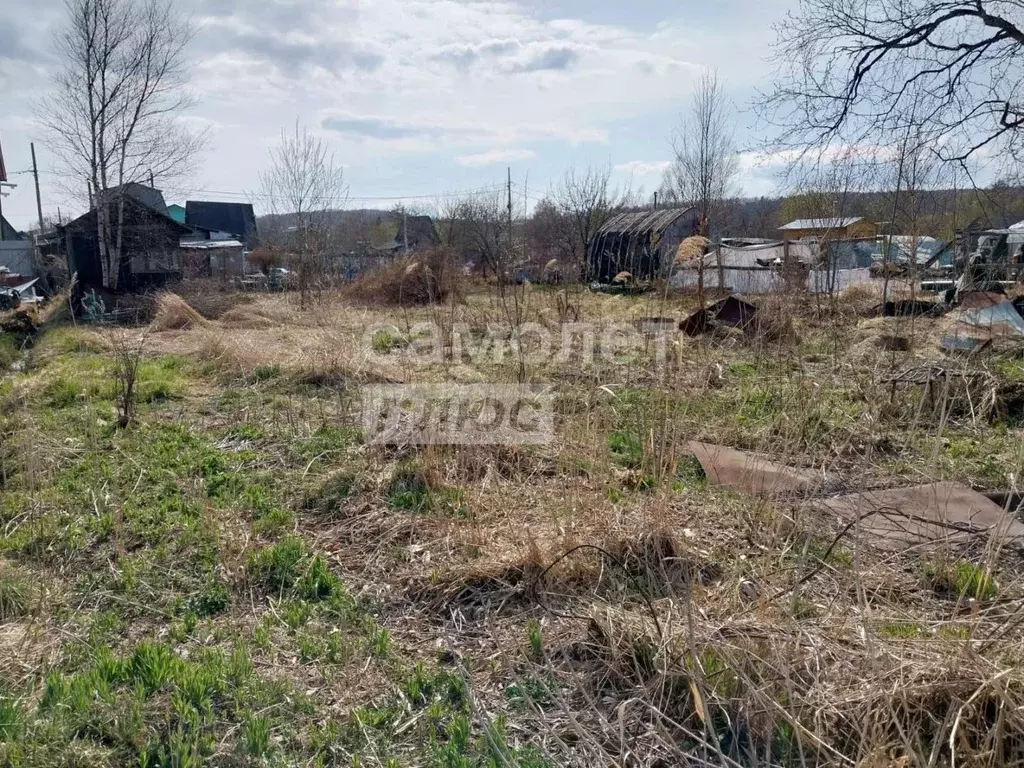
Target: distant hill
x: 930, y: 212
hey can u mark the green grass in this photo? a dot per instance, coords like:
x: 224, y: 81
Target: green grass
x: 16, y: 591
x: 8, y: 351
x: 387, y: 340
x: 959, y: 580
x: 626, y: 448
x: 410, y: 491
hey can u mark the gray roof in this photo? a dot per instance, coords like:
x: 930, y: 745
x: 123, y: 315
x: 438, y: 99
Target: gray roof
x: 835, y: 223
x: 149, y: 196
x: 9, y: 232
x: 639, y: 223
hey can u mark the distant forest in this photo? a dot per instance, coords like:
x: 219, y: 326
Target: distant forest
x: 937, y: 213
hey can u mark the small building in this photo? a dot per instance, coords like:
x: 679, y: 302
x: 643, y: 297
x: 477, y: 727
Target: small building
x: 848, y: 228
x: 177, y: 213
x: 150, y: 240
x: 642, y: 243
x: 236, y: 220
x: 220, y: 258
x: 415, y: 233
x: 15, y: 250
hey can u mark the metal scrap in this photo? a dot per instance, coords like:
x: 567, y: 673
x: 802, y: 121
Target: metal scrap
x: 910, y: 308
x: 990, y: 315
x: 731, y: 312
x: 742, y: 471
x: 950, y: 512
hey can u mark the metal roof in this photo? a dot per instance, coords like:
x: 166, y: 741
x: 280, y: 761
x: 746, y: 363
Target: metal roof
x: 835, y: 223
x: 211, y: 245
x: 643, y: 222
x: 148, y: 196
x: 236, y: 219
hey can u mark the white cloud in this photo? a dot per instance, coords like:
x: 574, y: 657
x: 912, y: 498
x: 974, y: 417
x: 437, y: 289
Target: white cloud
x: 494, y: 157
x: 477, y: 80
x: 644, y: 168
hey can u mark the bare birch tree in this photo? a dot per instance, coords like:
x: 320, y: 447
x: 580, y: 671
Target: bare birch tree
x: 306, y: 187
x: 114, y: 113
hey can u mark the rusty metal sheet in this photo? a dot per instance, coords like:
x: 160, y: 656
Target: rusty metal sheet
x: 900, y: 517
x: 742, y: 471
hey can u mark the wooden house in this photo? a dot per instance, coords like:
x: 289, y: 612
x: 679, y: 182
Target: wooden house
x: 150, y: 254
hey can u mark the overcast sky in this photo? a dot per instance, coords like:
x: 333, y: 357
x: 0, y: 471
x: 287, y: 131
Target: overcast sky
x: 423, y: 97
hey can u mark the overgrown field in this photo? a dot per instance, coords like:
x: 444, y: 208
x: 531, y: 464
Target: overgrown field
x: 235, y: 576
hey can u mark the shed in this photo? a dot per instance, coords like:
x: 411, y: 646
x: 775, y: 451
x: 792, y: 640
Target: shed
x: 213, y: 258
x: 236, y: 219
x: 642, y: 243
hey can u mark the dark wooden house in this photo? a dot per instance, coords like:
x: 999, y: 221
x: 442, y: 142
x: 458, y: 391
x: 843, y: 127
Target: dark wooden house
x: 642, y: 243
x: 150, y: 255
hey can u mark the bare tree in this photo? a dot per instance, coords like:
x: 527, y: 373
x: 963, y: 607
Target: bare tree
x: 114, y: 113
x: 305, y: 187
x: 550, y: 235
x: 585, y: 200
x: 858, y: 71
x: 705, y: 165
x: 482, y: 224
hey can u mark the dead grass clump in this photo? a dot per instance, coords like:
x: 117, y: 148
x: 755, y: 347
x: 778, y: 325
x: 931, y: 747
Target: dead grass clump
x: 174, y: 314
x: 654, y: 565
x: 487, y: 589
x: 775, y: 319
x: 246, y: 317
x: 425, y: 278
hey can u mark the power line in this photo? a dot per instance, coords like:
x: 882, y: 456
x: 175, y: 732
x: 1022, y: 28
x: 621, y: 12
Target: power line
x: 434, y: 196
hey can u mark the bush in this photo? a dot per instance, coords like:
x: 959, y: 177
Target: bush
x: 425, y: 278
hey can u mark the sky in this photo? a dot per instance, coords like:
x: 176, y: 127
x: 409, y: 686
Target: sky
x: 423, y: 98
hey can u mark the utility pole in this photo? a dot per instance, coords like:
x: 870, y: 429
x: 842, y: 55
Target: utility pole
x: 405, y: 229
x: 35, y: 174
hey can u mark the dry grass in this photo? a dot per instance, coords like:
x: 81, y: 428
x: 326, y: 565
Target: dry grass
x: 174, y: 314
x: 426, y: 278
x: 617, y: 609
